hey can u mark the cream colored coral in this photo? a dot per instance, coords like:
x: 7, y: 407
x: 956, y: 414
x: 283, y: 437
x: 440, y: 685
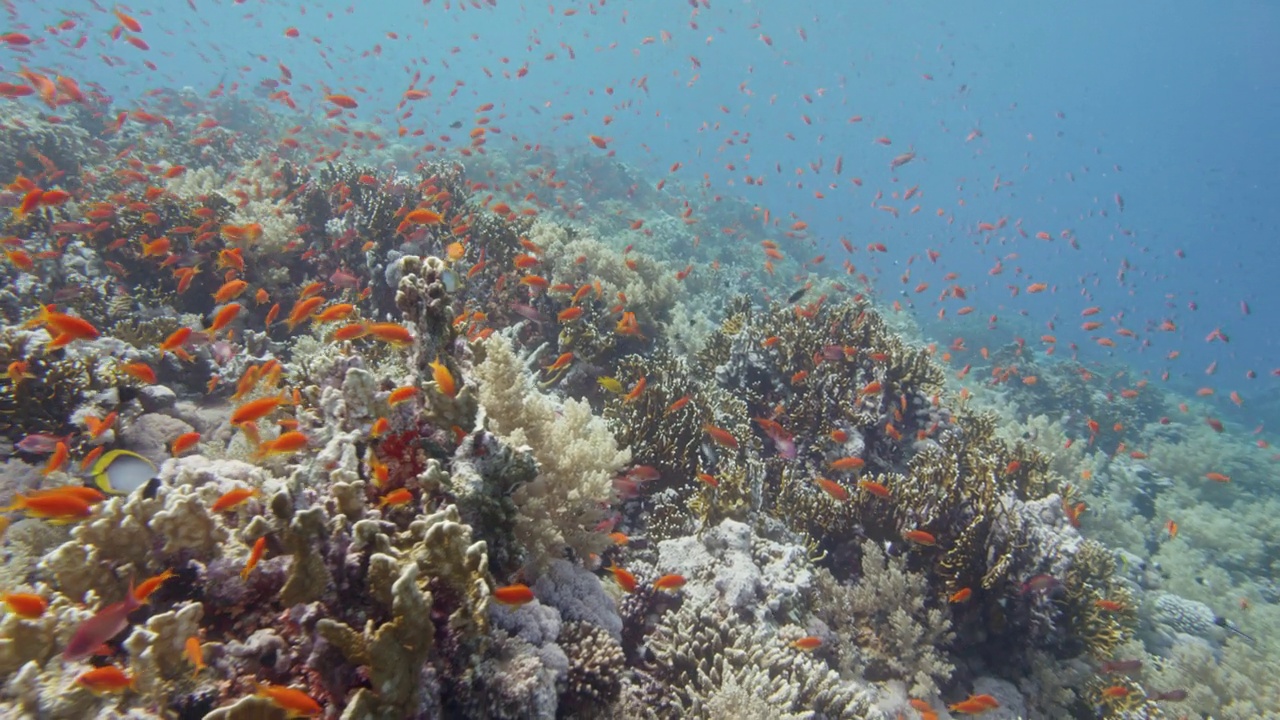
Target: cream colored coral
x: 577, y: 457
x: 186, y: 523
x: 156, y: 650
x: 651, y: 288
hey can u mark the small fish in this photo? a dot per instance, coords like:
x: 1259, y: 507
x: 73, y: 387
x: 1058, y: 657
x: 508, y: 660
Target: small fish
x: 1115, y: 691
x: 669, y: 582
x: 294, y: 702
x: 517, y: 594
x: 677, y: 405
x: 399, y: 496
x: 57, y: 508
x: 1040, y: 583
x: 104, y: 680
x: 287, y: 444
x: 401, y: 394
x: 255, y: 554
x: 255, y: 410
x: 961, y: 595
x: 1121, y: 666
x: 444, y: 380
x: 139, y: 371
x: 25, y: 605
x: 808, y: 643
x: 636, y: 390
x: 920, y: 537
x: 104, y: 625
x: 56, y: 461
x: 847, y: 463
x: 389, y: 332
x: 624, y: 578
x: 974, y: 705
x: 875, y: 488
x: 183, y: 443
x: 41, y: 443
x: 611, y: 384
x: 720, y: 436
x: 837, y: 491
x: 232, y: 499
x: 194, y: 654
x: 144, y: 589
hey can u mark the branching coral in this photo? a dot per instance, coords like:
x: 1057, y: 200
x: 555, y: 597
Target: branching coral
x: 577, y: 457
x: 887, y: 612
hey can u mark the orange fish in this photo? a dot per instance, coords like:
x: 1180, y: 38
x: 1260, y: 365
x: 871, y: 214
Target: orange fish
x: 561, y: 362
x: 875, y: 488
x: 669, y: 582
x: 230, y: 290
x: 25, y: 605
x: 104, y: 680
x: 974, y: 704
x: 99, y: 426
x: 568, y: 314
x: 334, y: 313
x: 920, y: 537
x: 625, y: 579
x: 256, y: 409
x: 343, y: 101
x: 1218, y: 477
x: 399, y: 496
x: 444, y: 379
x: 56, y: 461
x: 295, y: 702
x: 832, y: 488
x: 223, y: 317
x: 636, y: 391
x: 287, y: 444
x: 302, y: 310
x: 139, y: 371
x: 150, y: 585
x: 961, y: 595
x: 847, y: 463
x: 354, y: 331
x: 183, y: 443
x: 808, y: 643
x: 423, y: 216
x: 402, y: 394
x: 195, y: 654
x: 232, y: 498
x: 389, y: 332
x: 720, y: 436
x: 259, y: 547
x: 677, y: 405
x: 1115, y: 691
x: 517, y: 594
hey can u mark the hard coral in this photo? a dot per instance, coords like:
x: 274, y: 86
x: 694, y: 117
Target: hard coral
x: 577, y: 458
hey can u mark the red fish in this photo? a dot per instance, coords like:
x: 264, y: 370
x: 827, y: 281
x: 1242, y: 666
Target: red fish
x: 104, y: 625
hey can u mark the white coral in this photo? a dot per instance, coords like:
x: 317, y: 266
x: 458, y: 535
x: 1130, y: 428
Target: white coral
x: 577, y: 457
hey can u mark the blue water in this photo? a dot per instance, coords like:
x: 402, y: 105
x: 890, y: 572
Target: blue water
x: 1171, y: 107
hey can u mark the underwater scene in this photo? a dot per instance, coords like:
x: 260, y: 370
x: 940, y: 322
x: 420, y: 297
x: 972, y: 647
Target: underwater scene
x: 588, y: 359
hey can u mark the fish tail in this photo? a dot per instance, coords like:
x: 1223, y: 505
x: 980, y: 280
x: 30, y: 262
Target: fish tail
x: 19, y: 503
